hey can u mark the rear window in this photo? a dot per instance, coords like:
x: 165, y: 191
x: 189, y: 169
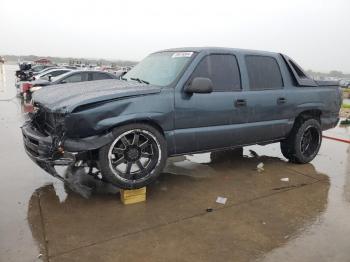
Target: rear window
x: 263, y: 72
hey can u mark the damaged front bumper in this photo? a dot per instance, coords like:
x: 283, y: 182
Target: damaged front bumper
x: 40, y: 149
x: 43, y: 150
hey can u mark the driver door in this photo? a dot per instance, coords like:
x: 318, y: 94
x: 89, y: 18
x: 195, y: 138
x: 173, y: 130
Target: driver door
x: 208, y: 121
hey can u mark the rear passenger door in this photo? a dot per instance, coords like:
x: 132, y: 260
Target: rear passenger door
x: 207, y: 121
x: 267, y: 101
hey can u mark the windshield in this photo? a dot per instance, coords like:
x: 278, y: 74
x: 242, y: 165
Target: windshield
x: 160, y: 69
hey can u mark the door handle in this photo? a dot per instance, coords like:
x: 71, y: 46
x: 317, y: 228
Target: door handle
x: 281, y: 100
x: 240, y: 102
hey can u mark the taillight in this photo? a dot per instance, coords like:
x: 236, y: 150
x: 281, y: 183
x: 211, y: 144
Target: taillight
x: 26, y: 87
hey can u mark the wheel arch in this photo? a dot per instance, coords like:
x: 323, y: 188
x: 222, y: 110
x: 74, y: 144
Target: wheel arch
x: 147, y: 121
x: 309, y: 114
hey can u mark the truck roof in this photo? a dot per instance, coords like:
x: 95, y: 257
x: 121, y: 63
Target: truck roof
x: 218, y: 49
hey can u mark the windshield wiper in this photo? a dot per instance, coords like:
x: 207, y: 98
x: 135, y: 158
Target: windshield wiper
x: 140, y: 80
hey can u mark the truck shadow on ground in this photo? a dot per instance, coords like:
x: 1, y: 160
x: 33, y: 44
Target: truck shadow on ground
x: 262, y: 212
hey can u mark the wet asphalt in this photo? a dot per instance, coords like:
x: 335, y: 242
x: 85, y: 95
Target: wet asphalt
x: 264, y: 218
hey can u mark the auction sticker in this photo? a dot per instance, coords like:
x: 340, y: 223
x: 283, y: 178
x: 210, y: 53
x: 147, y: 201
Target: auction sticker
x: 182, y: 54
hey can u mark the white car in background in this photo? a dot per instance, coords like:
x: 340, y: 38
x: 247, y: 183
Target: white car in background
x: 23, y: 86
x: 51, y: 73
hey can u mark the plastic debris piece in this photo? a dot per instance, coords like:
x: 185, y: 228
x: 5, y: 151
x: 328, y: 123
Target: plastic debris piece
x: 209, y: 209
x: 260, y: 167
x: 285, y: 179
x: 40, y: 255
x: 221, y: 200
x: 80, y: 182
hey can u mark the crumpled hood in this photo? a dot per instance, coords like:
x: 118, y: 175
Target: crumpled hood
x: 65, y: 97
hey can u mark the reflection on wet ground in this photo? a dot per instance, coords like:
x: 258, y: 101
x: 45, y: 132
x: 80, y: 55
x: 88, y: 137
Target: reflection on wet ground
x: 255, y: 219
x: 264, y: 218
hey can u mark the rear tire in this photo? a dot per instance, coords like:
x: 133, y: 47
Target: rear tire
x: 135, y: 158
x: 303, y: 143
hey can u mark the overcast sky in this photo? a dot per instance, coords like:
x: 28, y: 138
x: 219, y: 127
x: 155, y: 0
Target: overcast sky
x: 315, y: 33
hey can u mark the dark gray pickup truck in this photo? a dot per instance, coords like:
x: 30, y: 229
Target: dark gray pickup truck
x: 176, y: 102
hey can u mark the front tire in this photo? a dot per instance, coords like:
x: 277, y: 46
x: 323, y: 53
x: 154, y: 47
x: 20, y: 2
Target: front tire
x: 303, y: 143
x: 135, y: 158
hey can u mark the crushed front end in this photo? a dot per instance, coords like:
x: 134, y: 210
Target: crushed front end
x: 43, y: 137
x: 46, y: 143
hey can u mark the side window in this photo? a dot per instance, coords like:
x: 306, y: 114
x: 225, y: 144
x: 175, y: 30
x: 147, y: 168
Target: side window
x: 222, y: 70
x: 100, y: 76
x: 73, y: 78
x: 58, y: 72
x: 263, y: 72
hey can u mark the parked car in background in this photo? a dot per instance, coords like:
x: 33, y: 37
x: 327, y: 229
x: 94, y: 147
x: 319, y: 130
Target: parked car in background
x: 122, y: 71
x: 24, y: 75
x: 46, y: 74
x: 51, y: 72
x: 345, y: 83
x: 73, y: 76
x: 177, y: 102
x: 44, y: 70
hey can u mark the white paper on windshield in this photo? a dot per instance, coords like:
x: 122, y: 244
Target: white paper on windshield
x: 182, y: 54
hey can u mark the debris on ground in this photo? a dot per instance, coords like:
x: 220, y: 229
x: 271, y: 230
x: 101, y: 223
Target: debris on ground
x: 290, y: 186
x: 209, y: 209
x: 164, y: 188
x: 260, y: 167
x: 84, y: 184
x: 221, y: 200
x: 285, y: 179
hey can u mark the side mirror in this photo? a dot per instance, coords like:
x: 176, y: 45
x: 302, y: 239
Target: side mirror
x: 200, y: 85
x: 50, y: 77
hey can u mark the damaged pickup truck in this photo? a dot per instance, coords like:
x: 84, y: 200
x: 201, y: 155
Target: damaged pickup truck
x: 176, y: 102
